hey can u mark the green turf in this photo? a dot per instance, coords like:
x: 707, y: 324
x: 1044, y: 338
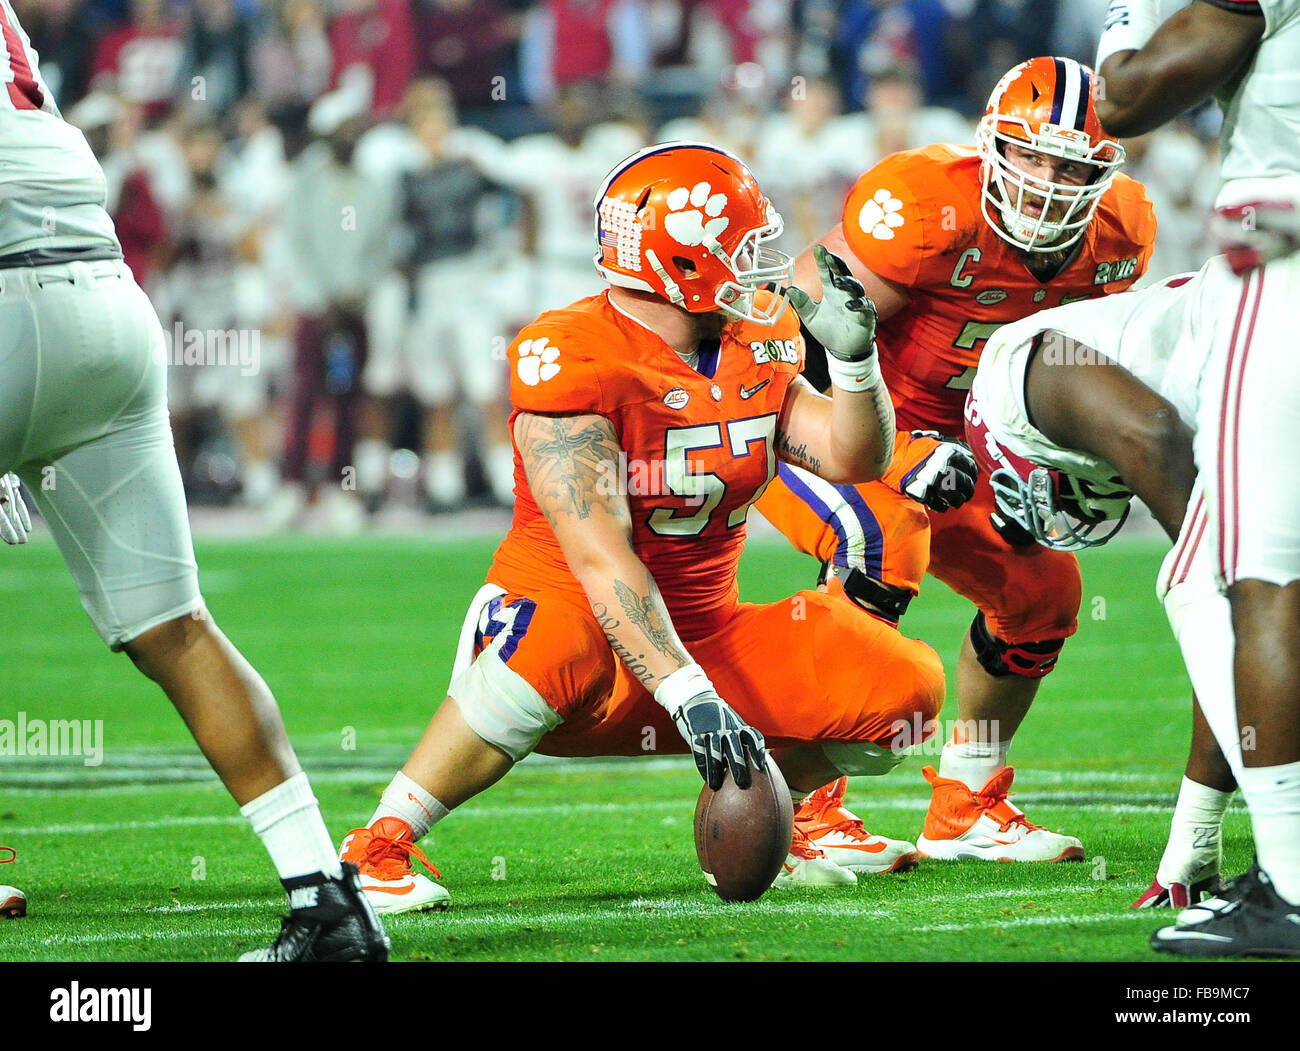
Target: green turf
x: 559, y: 861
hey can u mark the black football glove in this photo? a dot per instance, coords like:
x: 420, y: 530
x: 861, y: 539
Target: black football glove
x: 945, y: 479
x: 719, y: 740
x: 1012, y: 531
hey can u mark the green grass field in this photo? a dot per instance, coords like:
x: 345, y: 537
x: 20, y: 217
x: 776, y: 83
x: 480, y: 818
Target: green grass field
x: 145, y: 857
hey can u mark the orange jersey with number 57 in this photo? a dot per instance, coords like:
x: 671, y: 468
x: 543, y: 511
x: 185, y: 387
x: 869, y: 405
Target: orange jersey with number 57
x: 915, y: 219
x: 699, y: 447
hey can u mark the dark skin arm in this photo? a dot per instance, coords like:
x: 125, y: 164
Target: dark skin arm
x: 1193, y: 54
x: 1081, y: 399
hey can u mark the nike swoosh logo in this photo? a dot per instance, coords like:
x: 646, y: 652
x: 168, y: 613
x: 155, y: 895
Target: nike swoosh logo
x: 1182, y: 932
x: 748, y: 392
x: 388, y: 890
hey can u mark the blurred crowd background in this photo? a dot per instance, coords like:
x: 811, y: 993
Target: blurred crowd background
x: 344, y: 209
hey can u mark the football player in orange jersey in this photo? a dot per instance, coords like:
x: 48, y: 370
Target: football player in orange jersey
x: 647, y: 420
x: 950, y: 243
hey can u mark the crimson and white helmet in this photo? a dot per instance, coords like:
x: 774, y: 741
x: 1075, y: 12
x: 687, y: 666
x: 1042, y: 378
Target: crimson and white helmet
x: 1058, y: 509
x: 1046, y: 105
x: 688, y: 222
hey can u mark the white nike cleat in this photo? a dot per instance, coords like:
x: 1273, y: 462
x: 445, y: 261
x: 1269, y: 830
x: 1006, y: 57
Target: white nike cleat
x: 807, y: 866
x: 962, y: 825
x: 382, y: 854
x: 842, y: 837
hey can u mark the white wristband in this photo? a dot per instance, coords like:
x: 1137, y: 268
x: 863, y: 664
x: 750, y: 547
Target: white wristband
x: 681, y: 686
x: 1129, y: 25
x: 854, y: 376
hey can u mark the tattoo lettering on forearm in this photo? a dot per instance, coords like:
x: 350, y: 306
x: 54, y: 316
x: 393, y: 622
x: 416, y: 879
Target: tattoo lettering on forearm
x: 883, y: 405
x: 799, y: 455
x: 635, y: 663
x: 644, y: 612
x: 564, y: 465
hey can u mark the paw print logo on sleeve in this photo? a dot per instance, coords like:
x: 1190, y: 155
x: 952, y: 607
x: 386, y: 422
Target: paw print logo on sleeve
x: 538, y: 360
x: 689, y: 227
x: 881, y: 215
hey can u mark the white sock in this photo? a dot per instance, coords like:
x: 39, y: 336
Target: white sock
x: 404, y: 798
x: 1273, y: 795
x: 444, y: 477
x: 288, y: 822
x: 1196, y: 832
x: 973, y: 762
x: 372, y: 456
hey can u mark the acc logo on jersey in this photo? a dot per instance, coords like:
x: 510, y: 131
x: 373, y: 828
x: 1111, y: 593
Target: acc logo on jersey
x: 774, y: 350
x: 537, y: 360
x: 1115, y: 270
x: 677, y: 398
x: 688, y: 227
x: 880, y: 216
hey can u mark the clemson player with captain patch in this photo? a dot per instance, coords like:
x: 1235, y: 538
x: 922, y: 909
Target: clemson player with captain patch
x: 951, y: 243
x: 647, y: 420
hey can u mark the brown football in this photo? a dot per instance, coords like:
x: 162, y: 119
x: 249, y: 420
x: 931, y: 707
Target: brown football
x: 742, y: 837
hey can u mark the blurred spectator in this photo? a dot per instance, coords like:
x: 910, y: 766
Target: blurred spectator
x: 894, y: 119
x: 380, y: 36
x: 1181, y: 178
x: 468, y: 43
x: 291, y: 63
x: 215, y: 64
x: 63, y: 35
x: 733, y: 113
x: 558, y: 174
x: 574, y: 41
x: 140, y: 60
x: 1001, y: 34
x: 875, y: 35
x: 339, y: 227
x: 110, y: 129
x: 452, y: 351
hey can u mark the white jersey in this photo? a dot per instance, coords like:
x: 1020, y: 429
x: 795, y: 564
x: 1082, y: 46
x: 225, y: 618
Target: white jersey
x: 561, y: 181
x: 1143, y: 331
x: 1260, y: 141
x: 52, y: 190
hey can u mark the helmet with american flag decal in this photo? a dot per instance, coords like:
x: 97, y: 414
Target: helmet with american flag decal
x: 688, y: 222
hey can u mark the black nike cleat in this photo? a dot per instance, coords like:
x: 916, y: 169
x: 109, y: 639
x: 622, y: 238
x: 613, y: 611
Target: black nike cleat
x: 330, y: 922
x: 1248, y: 919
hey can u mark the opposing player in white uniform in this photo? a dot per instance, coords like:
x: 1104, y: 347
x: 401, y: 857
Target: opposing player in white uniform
x: 1071, y: 409
x: 1245, y: 52
x: 83, y: 423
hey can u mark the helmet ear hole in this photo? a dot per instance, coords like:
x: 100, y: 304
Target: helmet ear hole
x: 684, y: 265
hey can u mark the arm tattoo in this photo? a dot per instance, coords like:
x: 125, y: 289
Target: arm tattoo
x: 645, y: 612
x: 799, y: 455
x: 565, y: 466
x: 635, y: 661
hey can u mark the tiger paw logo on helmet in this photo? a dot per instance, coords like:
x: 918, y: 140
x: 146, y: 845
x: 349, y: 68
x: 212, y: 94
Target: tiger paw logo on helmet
x: 688, y: 227
x: 881, y: 215
x: 537, y: 360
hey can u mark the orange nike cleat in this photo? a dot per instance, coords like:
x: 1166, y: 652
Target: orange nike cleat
x: 13, y: 902
x: 808, y: 866
x: 382, y: 853
x: 963, y: 825
x: 841, y: 836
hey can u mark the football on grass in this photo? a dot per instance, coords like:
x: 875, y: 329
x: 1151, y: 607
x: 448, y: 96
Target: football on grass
x: 742, y: 837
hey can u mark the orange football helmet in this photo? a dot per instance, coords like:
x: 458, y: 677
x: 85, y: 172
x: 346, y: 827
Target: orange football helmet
x: 1046, y: 105
x: 688, y: 222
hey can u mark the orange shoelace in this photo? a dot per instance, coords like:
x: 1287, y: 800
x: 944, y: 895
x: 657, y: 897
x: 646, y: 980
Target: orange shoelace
x: 994, y: 802
x: 390, y: 858
x: 12, y: 855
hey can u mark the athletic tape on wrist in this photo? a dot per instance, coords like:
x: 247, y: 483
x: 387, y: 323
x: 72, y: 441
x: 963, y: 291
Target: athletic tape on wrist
x: 681, y: 686
x: 854, y: 376
x: 1129, y: 25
